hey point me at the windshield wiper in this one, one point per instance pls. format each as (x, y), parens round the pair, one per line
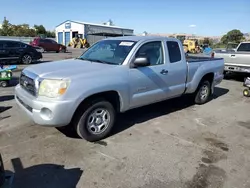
(83, 59)
(96, 60)
(101, 61)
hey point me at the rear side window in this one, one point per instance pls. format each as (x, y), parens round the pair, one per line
(48, 41)
(1, 44)
(244, 47)
(41, 40)
(174, 51)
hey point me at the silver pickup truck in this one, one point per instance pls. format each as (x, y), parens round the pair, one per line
(237, 60)
(114, 75)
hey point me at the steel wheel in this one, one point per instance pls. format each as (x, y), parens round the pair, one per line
(94, 120)
(98, 121)
(204, 92)
(26, 59)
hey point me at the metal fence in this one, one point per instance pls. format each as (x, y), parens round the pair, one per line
(23, 39)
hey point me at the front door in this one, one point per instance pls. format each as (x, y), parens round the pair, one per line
(147, 84)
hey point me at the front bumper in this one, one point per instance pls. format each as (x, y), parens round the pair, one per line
(37, 56)
(49, 113)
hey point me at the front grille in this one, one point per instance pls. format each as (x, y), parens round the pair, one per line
(28, 84)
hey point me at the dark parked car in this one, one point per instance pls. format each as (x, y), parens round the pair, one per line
(48, 45)
(18, 52)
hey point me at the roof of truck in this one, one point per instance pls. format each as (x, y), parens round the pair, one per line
(138, 38)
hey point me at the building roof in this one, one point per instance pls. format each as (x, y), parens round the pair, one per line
(87, 23)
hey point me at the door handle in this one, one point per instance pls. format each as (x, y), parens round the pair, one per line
(232, 55)
(164, 71)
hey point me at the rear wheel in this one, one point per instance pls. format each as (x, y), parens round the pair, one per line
(95, 120)
(26, 59)
(203, 92)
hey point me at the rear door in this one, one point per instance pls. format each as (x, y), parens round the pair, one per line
(147, 84)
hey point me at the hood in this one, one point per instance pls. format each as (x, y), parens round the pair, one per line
(67, 68)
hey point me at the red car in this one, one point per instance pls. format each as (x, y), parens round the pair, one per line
(48, 45)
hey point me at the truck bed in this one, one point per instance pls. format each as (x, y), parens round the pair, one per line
(192, 59)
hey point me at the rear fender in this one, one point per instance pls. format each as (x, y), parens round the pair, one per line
(194, 83)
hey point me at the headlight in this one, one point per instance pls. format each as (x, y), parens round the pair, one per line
(53, 88)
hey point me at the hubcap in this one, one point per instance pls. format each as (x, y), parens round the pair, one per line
(204, 92)
(26, 59)
(98, 121)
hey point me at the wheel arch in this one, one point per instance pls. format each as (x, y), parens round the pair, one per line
(111, 96)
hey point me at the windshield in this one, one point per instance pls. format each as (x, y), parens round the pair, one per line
(109, 51)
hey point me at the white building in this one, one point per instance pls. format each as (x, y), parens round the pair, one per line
(92, 32)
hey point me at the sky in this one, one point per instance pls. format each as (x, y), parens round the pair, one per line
(200, 17)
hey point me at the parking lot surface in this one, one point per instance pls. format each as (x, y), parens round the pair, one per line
(173, 144)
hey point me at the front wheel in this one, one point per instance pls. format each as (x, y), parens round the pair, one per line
(95, 121)
(203, 92)
(3, 83)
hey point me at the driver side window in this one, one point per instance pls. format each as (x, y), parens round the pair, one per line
(153, 51)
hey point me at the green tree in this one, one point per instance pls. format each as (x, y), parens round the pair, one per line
(6, 29)
(40, 29)
(24, 30)
(234, 35)
(50, 34)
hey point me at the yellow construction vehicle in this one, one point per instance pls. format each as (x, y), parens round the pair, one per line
(191, 46)
(79, 42)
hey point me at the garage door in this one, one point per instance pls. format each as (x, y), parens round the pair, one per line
(67, 38)
(60, 37)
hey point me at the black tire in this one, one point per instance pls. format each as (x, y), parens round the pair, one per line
(84, 115)
(3, 83)
(26, 59)
(201, 97)
(246, 92)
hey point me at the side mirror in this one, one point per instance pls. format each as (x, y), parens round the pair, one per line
(141, 62)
